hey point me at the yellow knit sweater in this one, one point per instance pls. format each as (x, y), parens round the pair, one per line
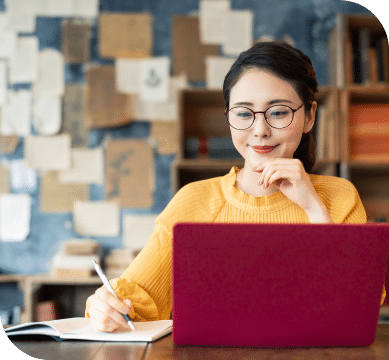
(147, 281)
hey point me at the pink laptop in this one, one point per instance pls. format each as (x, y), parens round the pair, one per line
(278, 285)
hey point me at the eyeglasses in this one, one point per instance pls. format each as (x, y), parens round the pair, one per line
(277, 116)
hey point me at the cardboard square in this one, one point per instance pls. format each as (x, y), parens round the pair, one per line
(130, 173)
(105, 107)
(125, 35)
(188, 52)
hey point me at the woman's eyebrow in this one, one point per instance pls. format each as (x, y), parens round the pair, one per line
(271, 102)
(244, 103)
(279, 101)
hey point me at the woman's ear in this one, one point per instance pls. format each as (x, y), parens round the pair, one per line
(310, 118)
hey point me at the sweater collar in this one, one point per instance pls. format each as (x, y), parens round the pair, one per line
(249, 203)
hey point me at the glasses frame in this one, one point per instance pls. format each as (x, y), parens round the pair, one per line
(263, 112)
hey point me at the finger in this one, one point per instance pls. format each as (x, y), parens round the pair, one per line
(280, 177)
(118, 304)
(293, 169)
(102, 322)
(107, 315)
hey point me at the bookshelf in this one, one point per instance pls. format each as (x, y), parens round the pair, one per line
(359, 68)
(358, 51)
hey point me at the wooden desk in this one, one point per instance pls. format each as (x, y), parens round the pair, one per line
(165, 349)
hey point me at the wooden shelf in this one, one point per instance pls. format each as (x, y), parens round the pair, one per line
(209, 164)
(69, 293)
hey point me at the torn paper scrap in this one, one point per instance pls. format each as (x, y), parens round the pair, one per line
(45, 153)
(137, 230)
(96, 218)
(87, 166)
(15, 215)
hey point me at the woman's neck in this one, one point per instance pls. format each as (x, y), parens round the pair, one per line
(247, 181)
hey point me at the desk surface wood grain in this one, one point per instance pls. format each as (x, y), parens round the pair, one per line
(165, 349)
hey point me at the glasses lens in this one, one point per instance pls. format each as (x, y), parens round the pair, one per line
(279, 116)
(240, 118)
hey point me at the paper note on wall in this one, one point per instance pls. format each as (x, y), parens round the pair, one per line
(137, 230)
(35, 7)
(127, 75)
(239, 33)
(56, 197)
(217, 68)
(86, 8)
(45, 153)
(188, 53)
(16, 114)
(4, 179)
(74, 114)
(154, 79)
(125, 35)
(130, 173)
(3, 83)
(8, 39)
(47, 114)
(76, 38)
(166, 136)
(51, 74)
(23, 64)
(105, 107)
(23, 178)
(96, 218)
(87, 166)
(213, 21)
(8, 144)
(15, 216)
(162, 111)
(60, 8)
(73, 8)
(169, 110)
(20, 20)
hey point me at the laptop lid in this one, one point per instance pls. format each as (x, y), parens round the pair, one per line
(277, 284)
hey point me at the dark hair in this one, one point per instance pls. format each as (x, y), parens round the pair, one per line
(289, 64)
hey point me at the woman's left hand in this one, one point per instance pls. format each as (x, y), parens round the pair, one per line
(289, 176)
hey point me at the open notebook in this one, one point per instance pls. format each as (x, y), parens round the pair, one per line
(79, 328)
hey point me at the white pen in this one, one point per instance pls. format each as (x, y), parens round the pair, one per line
(111, 290)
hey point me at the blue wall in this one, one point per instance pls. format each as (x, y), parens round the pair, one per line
(306, 21)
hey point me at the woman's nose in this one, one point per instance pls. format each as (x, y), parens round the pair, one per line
(260, 127)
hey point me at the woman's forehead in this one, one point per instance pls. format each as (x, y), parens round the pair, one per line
(262, 85)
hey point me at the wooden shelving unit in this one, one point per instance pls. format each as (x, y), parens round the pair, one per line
(362, 140)
(69, 293)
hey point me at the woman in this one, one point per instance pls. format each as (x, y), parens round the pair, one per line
(269, 94)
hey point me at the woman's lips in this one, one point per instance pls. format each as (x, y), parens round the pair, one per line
(263, 149)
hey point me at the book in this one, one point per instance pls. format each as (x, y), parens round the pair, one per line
(212, 147)
(79, 328)
(361, 67)
(381, 45)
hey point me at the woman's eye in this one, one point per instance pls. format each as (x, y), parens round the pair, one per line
(244, 115)
(278, 113)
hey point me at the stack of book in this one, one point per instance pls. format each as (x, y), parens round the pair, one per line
(117, 261)
(370, 57)
(210, 147)
(369, 132)
(75, 258)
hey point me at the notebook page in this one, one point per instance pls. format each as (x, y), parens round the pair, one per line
(53, 327)
(144, 331)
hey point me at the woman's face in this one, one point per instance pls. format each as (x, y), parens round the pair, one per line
(258, 90)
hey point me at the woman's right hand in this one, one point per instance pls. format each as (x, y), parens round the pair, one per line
(106, 311)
